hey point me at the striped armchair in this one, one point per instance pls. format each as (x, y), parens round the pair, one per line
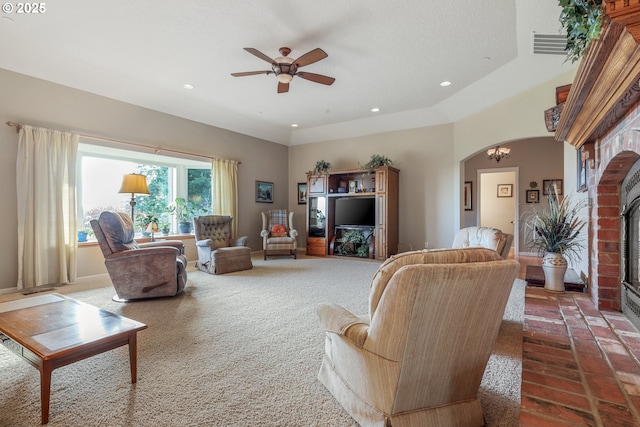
(278, 235)
(418, 356)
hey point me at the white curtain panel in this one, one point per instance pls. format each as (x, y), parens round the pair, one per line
(224, 177)
(46, 186)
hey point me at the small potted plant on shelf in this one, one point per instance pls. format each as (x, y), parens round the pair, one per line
(321, 167)
(376, 161)
(556, 236)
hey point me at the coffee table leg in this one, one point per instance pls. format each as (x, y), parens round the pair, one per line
(45, 390)
(133, 356)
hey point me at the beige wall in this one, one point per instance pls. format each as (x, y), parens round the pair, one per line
(424, 158)
(36, 102)
(536, 158)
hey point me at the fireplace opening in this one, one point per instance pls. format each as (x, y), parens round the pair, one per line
(630, 256)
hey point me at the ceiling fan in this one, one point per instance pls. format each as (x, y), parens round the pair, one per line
(286, 68)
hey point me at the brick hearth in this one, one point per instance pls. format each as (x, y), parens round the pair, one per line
(580, 365)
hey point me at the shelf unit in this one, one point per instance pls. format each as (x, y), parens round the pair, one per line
(381, 184)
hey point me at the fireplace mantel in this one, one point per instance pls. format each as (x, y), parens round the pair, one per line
(606, 85)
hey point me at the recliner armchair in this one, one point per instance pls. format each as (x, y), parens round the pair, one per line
(418, 357)
(139, 270)
(218, 251)
(278, 234)
(484, 237)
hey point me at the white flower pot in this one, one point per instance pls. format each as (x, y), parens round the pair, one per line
(554, 266)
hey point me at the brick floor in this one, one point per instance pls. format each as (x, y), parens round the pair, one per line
(580, 366)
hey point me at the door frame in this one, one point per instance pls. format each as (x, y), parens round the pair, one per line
(516, 204)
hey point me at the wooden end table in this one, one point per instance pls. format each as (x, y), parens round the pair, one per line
(50, 331)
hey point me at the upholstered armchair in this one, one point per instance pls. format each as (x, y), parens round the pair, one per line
(417, 358)
(218, 251)
(484, 237)
(278, 234)
(139, 270)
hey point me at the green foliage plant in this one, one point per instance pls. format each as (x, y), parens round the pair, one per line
(582, 20)
(184, 209)
(558, 228)
(321, 167)
(376, 161)
(354, 242)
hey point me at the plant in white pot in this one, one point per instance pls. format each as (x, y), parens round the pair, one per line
(556, 236)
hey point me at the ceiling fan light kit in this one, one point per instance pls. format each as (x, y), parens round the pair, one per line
(286, 68)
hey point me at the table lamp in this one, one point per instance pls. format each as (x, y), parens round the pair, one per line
(134, 183)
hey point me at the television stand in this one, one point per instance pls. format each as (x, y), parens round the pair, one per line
(353, 240)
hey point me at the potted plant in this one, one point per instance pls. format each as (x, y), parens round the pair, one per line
(321, 167)
(165, 224)
(144, 220)
(184, 210)
(376, 161)
(582, 20)
(556, 236)
(83, 234)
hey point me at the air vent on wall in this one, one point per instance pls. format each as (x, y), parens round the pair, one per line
(549, 44)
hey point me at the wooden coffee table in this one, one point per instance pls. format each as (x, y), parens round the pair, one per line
(50, 331)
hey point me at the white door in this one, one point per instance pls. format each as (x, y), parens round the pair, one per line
(498, 201)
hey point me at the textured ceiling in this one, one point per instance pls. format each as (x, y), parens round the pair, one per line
(390, 55)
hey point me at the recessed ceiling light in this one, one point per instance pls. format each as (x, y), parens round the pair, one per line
(294, 125)
(445, 83)
(375, 110)
(187, 86)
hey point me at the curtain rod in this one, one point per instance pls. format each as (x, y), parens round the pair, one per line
(156, 150)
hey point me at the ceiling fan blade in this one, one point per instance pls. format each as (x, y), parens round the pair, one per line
(310, 57)
(318, 78)
(251, 73)
(283, 87)
(259, 54)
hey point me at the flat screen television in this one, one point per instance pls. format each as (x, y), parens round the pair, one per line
(355, 211)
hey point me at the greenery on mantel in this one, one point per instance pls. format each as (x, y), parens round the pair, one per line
(582, 20)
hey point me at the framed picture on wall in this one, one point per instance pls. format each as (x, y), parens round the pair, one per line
(264, 192)
(552, 186)
(468, 196)
(302, 193)
(533, 196)
(505, 190)
(583, 170)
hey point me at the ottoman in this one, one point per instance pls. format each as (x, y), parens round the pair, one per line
(232, 258)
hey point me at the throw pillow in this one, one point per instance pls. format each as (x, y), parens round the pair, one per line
(278, 230)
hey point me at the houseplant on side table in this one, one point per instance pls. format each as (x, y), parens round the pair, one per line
(556, 236)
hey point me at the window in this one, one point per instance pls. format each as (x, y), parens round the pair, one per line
(100, 171)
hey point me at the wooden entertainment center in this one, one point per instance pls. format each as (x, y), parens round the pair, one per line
(360, 200)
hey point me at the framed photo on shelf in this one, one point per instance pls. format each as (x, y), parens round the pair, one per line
(555, 185)
(264, 192)
(468, 196)
(583, 170)
(302, 193)
(533, 196)
(505, 190)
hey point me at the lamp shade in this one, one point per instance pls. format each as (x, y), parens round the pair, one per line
(134, 183)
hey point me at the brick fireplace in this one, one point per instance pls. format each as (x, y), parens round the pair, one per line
(601, 117)
(615, 154)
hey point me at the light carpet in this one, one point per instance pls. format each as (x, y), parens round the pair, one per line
(241, 349)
